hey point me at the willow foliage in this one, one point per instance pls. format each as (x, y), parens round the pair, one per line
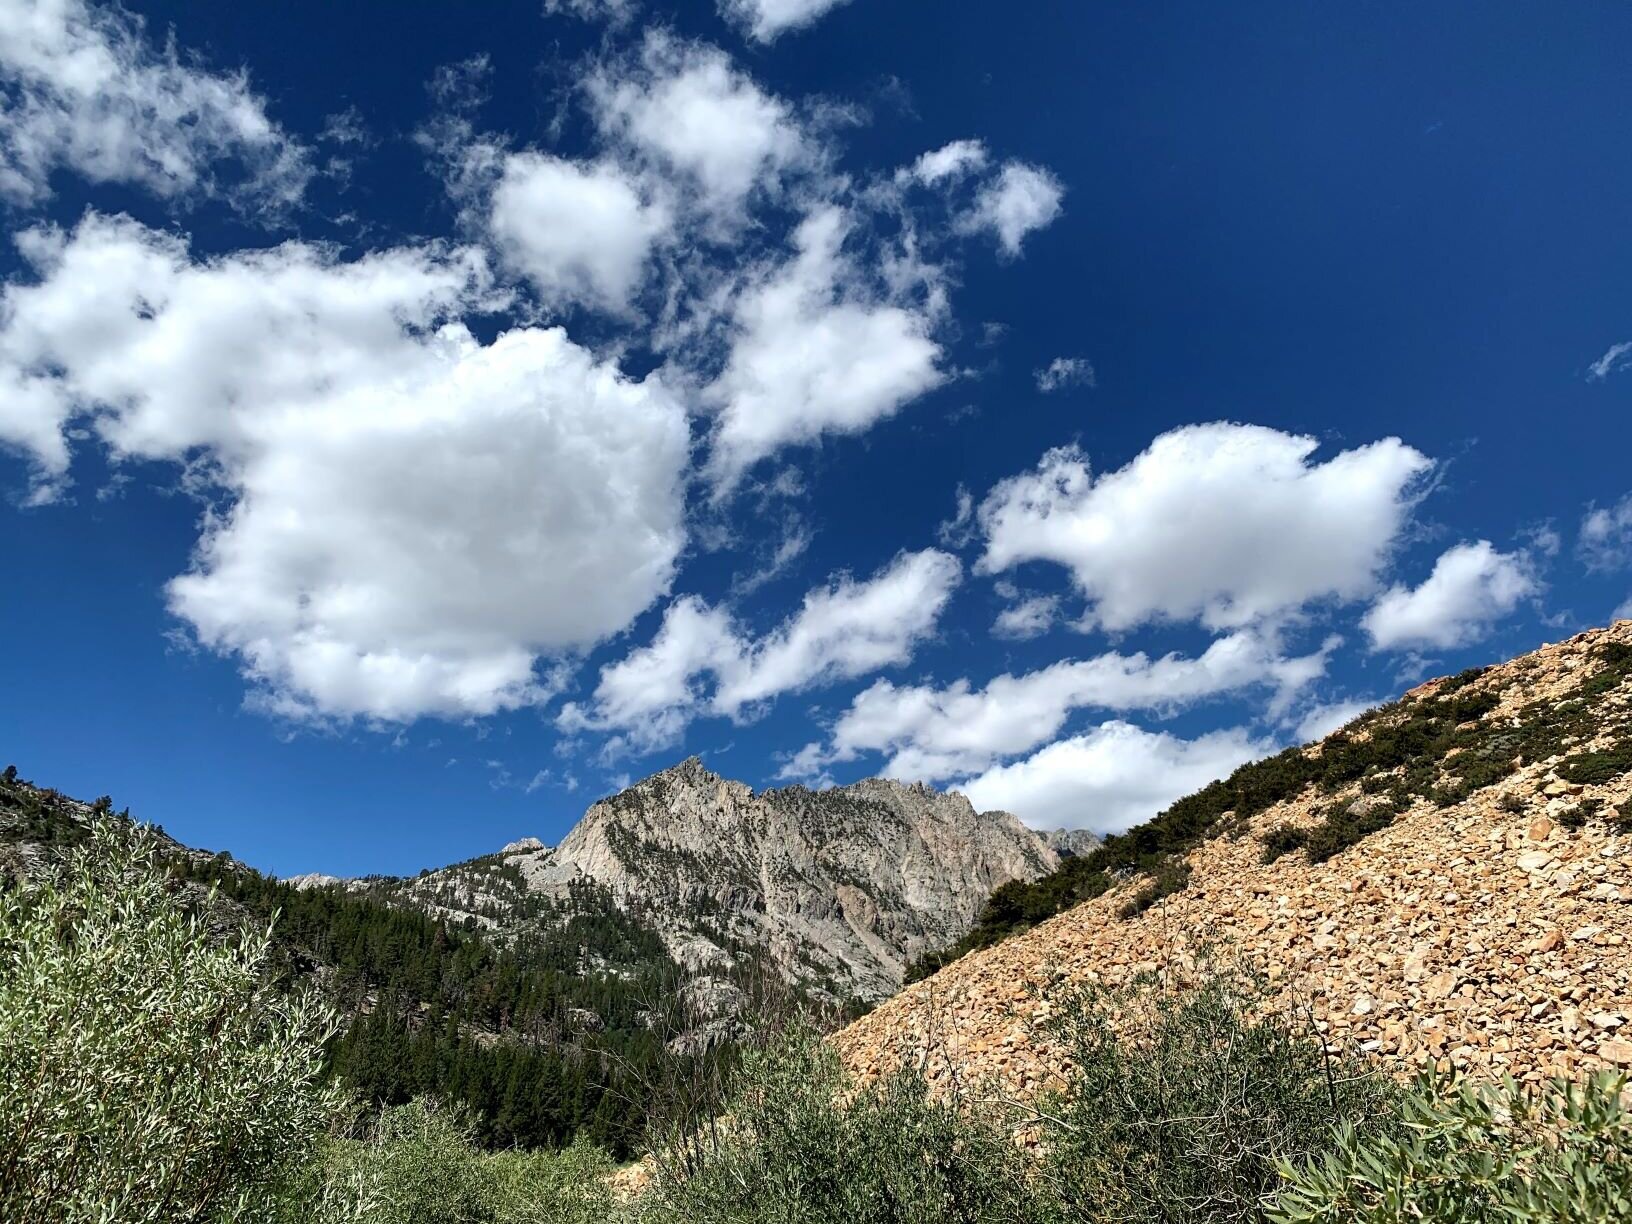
(148, 1070)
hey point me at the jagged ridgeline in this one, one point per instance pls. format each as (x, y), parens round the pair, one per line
(550, 989)
(835, 891)
(1439, 744)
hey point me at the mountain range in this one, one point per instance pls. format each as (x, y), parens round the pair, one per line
(834, 891)
(551, 990)
(1441, 881)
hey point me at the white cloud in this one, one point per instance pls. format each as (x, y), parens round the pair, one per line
(1228, 524)
(1472, 585)
(652, 693)
(1624, 612)
(412, 518)
(614, 12)
(1542, 539)
(1019, 200)
(684, 107)
(548, 777)
(958, 530)
(1029, 618)
(1615, 358)
(579, 232)
(814, 353)
(794, 543)
(1064, 372)
(1322, 720)
(847, 630)
(1110, 779)
(930, 734)
(764, 20)
(81, 88)
(842, 631)
(1605, 541)
(950, 161)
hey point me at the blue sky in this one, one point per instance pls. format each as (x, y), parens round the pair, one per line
(413, 424)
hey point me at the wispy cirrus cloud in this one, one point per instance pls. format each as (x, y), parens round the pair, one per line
(84, 88)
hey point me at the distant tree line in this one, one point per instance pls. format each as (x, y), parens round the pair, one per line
(535, 1049)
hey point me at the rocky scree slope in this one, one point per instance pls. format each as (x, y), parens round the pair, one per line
(836, 891)
(1448, 880)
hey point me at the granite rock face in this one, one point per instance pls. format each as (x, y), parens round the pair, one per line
(832, 891)
(1071, 843)
(837, 889)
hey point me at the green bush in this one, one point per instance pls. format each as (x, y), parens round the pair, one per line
(1188, 1121)
(1470, 1154)
(147, 1070)
(803, 1145)
(420, 1164)
(1282, 840)
(1437, 746)
(1592, 768)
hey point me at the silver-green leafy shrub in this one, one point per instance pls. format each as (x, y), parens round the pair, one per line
(148, 1071)
(1476, 1153)
(418, 1164)
(1179, 1105)
(801, 1144)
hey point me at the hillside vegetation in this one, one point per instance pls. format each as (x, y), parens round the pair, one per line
(1380, 979)
(1435, 745)
(1443, 882)
(151, 1071)
(535, 1046)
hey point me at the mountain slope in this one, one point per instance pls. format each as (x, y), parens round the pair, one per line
(1447, 879)
(835, 890)
(542, 1037)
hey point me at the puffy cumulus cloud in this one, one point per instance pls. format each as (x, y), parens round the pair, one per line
(1111, 778)
(82, 88)
(1228, 524)
(930, 734)
(764, 20)
(847, 630)
(1019, 200)
(581, 232)
(410, 518)
(1064, 372)
(650, 694)
(1472, 586)
(1616, 357)
(949, 162)
(813, 352)
(1321, 720)
(841, 631)
(685, 109)
(1605, 539)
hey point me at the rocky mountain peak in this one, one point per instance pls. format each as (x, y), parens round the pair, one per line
(838, 889)
(689, 772)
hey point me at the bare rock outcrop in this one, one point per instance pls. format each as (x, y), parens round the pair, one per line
(839, 889)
